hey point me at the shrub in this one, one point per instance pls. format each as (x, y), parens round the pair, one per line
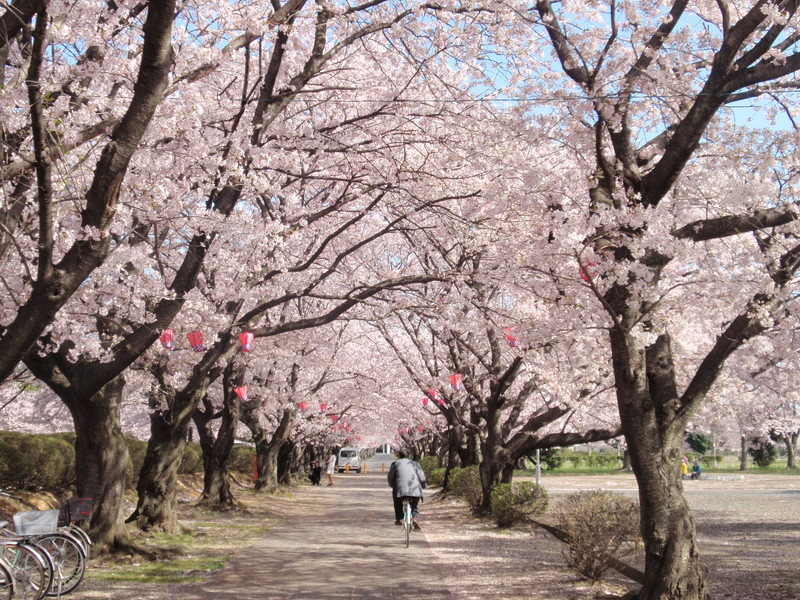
(436, 477)
(600, 526)
(466, 484)
(551, 458)
(514, 503)
(33, 462)
(241, 459)
(428, 464)
(192, 459)
(575, 460)
(711, 461)
(763, 453)
(136, 453)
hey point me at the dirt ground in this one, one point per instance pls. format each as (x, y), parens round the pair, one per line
(339, 543)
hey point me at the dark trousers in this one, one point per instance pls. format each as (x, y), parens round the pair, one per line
(398, 507)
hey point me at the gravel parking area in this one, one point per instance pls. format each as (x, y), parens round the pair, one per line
(747, 528)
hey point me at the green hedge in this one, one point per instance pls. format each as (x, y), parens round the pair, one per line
(436, 477)
(38, 461)
(34, 462)
(428, 464)
(591, 460)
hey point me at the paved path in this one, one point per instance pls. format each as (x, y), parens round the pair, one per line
(343, 544)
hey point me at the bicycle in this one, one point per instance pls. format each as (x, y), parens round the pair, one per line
(31, 569)
(408, 520)
(65, 551)
(6, 580)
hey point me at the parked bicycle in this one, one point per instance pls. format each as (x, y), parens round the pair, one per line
(47, 552)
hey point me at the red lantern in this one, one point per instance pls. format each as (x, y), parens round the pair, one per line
(242, 392)
(196, 340)
(455, 381)
(334, 418)
(425, 401)
(420, 429)
(246, 341)
(302, 405)
(167, 339)
(433, 394)
(584, 271)
(510, 338)
(323, 407)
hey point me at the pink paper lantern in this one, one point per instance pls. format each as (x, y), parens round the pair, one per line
(246, 341)
(512, 340)
(323, 407)
(196, 340)
(334, 418)
(302, 405)
(425, 401)
(433, 394)
(167, 339)
(242, 392)
(455, 381)
(584, 271)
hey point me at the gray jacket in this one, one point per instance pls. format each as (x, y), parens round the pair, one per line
(407, 478)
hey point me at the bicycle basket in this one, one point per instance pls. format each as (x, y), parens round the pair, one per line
(74, 510)
(34, 522)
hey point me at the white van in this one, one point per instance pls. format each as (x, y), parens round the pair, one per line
(348, 457)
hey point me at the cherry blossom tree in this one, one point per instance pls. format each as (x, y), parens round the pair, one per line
(684, 213)
(70, 239)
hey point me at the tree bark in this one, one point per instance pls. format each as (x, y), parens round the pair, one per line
(653, 428)
(791, 450)
(156, 509)
(743, 453)
(101, 465)
(217, 492)
(492, 458)
(267, 449)
(287, 462)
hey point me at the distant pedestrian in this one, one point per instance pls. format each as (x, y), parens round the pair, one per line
(696, 470)
(316, 472)
(684, 468)
(330, 468)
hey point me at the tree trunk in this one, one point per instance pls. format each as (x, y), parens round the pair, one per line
(266, 450)
(743, 453)
(267, 453)
(653, 429)
(157, 485)
(286, 462)
(216, 452)
(492, 458)
(791, 450)
(101, 465)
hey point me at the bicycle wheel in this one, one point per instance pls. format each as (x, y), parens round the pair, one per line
(68, 559)
(31, 547)
(407, 520)
(27, 570)
(83, 537)
(6, 581)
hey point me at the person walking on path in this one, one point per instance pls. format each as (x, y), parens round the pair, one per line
(330, 468)
(316, 473)
(407, 480)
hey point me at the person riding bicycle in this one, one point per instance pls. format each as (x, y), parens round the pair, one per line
(407, 480)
